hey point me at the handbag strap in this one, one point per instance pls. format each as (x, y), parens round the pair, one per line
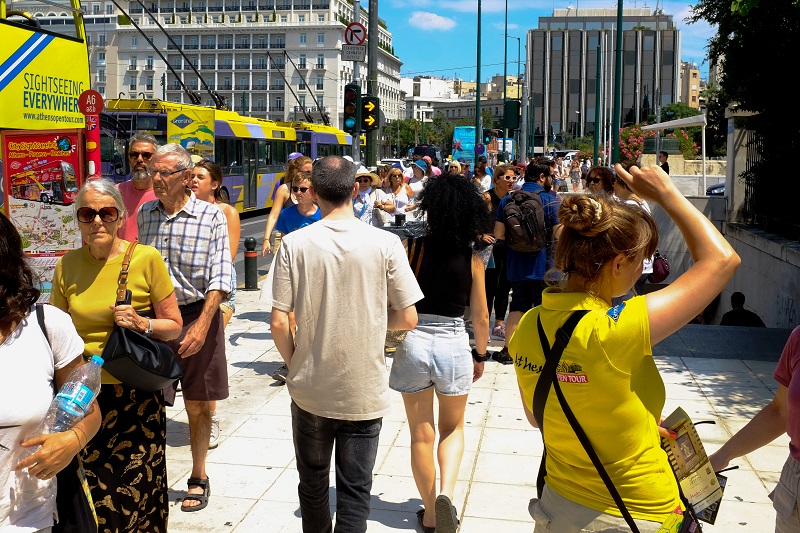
(122, 281)
(542, 390)
(411, 254)
(554, 354)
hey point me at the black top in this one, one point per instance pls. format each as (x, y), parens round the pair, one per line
(742, 317)
(445, 277)
(665, 166)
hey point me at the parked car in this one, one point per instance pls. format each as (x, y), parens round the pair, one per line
(403, 164)
(716, 190)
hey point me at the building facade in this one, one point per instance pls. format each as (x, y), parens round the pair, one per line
(275, 59)
(690, 84)
(571, 61)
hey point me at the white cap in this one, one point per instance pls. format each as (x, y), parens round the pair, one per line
(349, 158)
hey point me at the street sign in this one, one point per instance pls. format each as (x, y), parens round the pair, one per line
(355, 33)
(370, 112)
(90, 102)
(479, 149)
(354, 52)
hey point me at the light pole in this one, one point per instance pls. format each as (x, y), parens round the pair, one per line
(518, 83)
(505, 80)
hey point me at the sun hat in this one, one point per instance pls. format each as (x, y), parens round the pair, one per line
(364, 171)
(422, 165)
(294, 155)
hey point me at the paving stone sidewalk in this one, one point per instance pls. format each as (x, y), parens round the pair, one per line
(254, 479)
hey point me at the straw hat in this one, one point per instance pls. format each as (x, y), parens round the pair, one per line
(364, 171)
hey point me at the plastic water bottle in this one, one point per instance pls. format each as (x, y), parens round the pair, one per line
(73, 399)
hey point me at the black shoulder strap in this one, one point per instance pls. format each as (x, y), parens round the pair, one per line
(40, 318)
(542, 390)
(554, 354)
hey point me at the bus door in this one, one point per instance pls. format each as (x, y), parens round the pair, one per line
(250, 170)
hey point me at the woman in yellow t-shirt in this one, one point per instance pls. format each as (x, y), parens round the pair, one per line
(607, 373)
(126, 462)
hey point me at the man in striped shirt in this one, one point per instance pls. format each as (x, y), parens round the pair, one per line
(192, 237)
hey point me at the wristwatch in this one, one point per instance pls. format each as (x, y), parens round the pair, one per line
(478, 357)
(149, 330)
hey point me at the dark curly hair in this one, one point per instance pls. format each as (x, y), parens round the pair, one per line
(455, 211)
(17, 290)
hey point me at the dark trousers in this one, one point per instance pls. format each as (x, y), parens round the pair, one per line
(496, 282)
(356, 448)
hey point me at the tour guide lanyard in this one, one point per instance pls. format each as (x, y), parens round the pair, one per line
(363, 207)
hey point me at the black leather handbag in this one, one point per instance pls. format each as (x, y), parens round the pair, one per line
(133, 358)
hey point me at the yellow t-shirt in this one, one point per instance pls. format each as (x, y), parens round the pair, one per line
(612, 385)
(85, 287)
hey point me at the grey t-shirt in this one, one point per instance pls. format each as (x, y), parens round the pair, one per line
(338, 277)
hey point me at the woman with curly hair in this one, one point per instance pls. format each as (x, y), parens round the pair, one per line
(435, 356)
(600, 181)
(606, 373)
(30, 365)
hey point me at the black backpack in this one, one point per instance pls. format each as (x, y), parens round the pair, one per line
(525, 226)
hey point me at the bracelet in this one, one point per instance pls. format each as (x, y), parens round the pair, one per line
(85, 436)
(479, 358)
(77, 437)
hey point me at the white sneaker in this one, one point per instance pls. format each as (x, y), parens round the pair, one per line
(214, 441)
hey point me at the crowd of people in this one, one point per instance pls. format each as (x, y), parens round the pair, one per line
(583, 280)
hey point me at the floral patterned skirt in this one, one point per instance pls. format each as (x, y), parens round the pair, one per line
(126, 464)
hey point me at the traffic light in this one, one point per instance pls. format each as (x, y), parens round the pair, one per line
(352, 108)
(487, 137)
(370, 112)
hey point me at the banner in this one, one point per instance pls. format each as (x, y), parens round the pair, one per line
(31, 96)
(41, 177)
(193, 129)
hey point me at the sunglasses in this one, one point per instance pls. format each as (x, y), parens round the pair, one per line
(300, 189)
(145, 155)
(509, 178)
(107, 214)
(593, 180)
(364, 180)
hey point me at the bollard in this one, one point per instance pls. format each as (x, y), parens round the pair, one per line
(250, 265)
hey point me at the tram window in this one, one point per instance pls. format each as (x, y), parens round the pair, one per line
(148, 123)
(228, 155)
(278, 152)
(264, 153)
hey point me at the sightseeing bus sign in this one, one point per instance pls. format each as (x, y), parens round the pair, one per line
(41, 176)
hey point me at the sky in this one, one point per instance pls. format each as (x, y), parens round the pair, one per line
(439, 37)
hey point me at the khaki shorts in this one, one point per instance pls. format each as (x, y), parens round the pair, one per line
(205, 374)
(784, 498)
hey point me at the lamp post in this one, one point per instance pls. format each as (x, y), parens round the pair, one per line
(505, 80)
(518, 71)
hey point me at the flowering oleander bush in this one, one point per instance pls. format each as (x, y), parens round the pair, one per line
(689, 148)
(631, 143)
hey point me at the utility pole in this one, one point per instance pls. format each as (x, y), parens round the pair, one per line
(505, 81)
(478, 132)
(356, 79)
(617, 89)
(372, 75)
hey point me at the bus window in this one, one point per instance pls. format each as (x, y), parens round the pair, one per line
(278, 152)
(264, 153)
(228, 155)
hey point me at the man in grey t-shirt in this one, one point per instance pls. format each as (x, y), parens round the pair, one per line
(345, 281)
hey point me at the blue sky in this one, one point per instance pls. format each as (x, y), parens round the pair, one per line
(438, 37)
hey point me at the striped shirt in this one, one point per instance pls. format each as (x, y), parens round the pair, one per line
(194, 245)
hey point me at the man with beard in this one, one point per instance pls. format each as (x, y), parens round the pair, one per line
(139, 189)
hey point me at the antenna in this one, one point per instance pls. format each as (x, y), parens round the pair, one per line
(325, 119)
(219, 101)
(193, 96)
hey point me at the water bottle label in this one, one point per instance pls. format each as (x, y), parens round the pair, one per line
(77, 399)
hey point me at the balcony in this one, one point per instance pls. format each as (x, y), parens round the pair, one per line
(132, 67)
(264, 7)
(225, 46)
(260, 66)
(208, 66)
(243, 46)
(224, 86)
(260, 45)
(208, 46)
(242, 86)
(302, 6)
(259, 87)
(173, 87)
(149, 67)
(182, 9)
(191, 46)
(243, 66)
(302, 66)
(321, 6)
(276, 108)
(279, 66)
(225, 66)
(277, 45)
(261, 108)
(252, 7)
(320, 66)
(215, 8)
(276, 87)
(284, 7)
(135, 10)
(171, 46)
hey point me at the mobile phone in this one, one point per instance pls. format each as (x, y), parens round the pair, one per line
(127, 300)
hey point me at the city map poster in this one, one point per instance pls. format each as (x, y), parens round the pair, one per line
(42, 172)
(193, 129)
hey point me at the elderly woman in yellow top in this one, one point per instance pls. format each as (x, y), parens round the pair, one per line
(606, 372)
(125, 463)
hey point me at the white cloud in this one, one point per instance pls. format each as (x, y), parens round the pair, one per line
(423, 20)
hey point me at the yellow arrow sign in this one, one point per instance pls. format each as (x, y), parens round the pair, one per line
(370, 120)
(370, 106)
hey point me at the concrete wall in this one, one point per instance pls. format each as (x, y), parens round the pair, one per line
(688, 175)
(769, 275)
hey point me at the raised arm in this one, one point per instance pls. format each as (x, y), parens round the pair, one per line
(715, 261)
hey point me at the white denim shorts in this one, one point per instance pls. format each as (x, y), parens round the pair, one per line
(436, 354)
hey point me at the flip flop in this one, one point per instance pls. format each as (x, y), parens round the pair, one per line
(423, 527)
(446, 518)
(204, 484)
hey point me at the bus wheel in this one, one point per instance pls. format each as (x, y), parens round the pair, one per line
(224, 196)
(45, 199)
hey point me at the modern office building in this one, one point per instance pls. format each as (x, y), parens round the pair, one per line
(277, 59)
(571, 60)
